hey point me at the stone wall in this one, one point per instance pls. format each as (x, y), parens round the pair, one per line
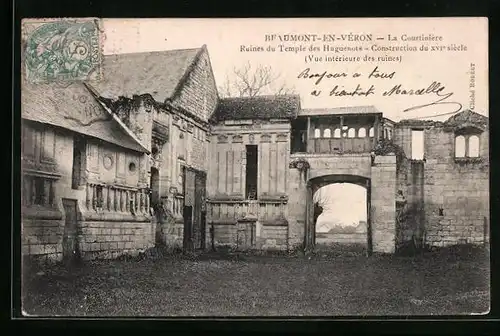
(224, 234)
(330, 239)
(328, 164)
(455, 193)
(42, 238)
(199, 95)
(239, 236)
(109, 240)
(274, 237)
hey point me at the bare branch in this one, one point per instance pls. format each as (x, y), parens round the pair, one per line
(250, 82)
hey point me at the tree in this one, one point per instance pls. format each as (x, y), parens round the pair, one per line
(249, 81)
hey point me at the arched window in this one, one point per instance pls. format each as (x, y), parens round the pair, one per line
(386, 133)
(336, 133)
(362, 132)
(317, 133)
(371, 132)
(473, 146)
(351, 133)
(327, 133)
(460, 146)
(389, 134)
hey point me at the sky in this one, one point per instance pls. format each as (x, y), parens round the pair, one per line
(416, 70)
(335, 198)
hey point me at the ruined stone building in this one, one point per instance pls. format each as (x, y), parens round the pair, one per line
(152, 155)
(100, 160)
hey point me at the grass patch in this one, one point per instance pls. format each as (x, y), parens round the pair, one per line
(448, 281)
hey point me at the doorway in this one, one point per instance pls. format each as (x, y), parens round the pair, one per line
(71, 249)
(155, 188)
(194, 211)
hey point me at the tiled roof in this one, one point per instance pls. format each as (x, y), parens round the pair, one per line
(157, 73)
(340, 110)
(259, 107)
(74, 108)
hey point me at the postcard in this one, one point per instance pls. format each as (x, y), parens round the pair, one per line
(255, 167)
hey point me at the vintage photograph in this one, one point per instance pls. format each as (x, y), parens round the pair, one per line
(255, 167)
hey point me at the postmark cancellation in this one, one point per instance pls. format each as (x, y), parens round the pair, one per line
(64, 49)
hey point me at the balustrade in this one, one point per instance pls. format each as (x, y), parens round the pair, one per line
(114, 198)
(334, 145)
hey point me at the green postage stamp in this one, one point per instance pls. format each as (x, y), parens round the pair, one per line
(64, 49)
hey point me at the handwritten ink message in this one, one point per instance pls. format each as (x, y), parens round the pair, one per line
(435, 90)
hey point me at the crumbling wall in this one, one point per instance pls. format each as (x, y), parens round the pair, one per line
(446, 196)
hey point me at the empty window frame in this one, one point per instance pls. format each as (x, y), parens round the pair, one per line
(362, 132)
(473, 148)
(79, 154)
(467, 146)
(417, 144)
(460, 146)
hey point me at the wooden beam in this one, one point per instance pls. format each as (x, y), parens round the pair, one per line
(342, 139)
(308, 135)
(376, 131)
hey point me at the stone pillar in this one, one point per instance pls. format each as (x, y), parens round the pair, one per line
(297, 191)
(309, 227)
(383, 204)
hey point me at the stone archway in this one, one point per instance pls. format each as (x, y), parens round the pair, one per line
(313, 185)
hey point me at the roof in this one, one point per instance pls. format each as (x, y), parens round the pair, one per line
(467, 117)
(340, 110)
(158, 73)
(390, 121)
(74, 108)
(258, 107)
(458, 120)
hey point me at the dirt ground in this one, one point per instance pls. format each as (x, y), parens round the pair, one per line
(446, 282)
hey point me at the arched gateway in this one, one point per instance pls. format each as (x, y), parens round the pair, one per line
(355, 233)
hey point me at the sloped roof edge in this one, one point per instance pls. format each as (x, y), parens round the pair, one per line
(115, 117)
(189, 69)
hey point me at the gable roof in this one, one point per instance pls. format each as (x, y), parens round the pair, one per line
(258, 107)
(69, 107)
(158, 73)
(467, 117)
(340, 110)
